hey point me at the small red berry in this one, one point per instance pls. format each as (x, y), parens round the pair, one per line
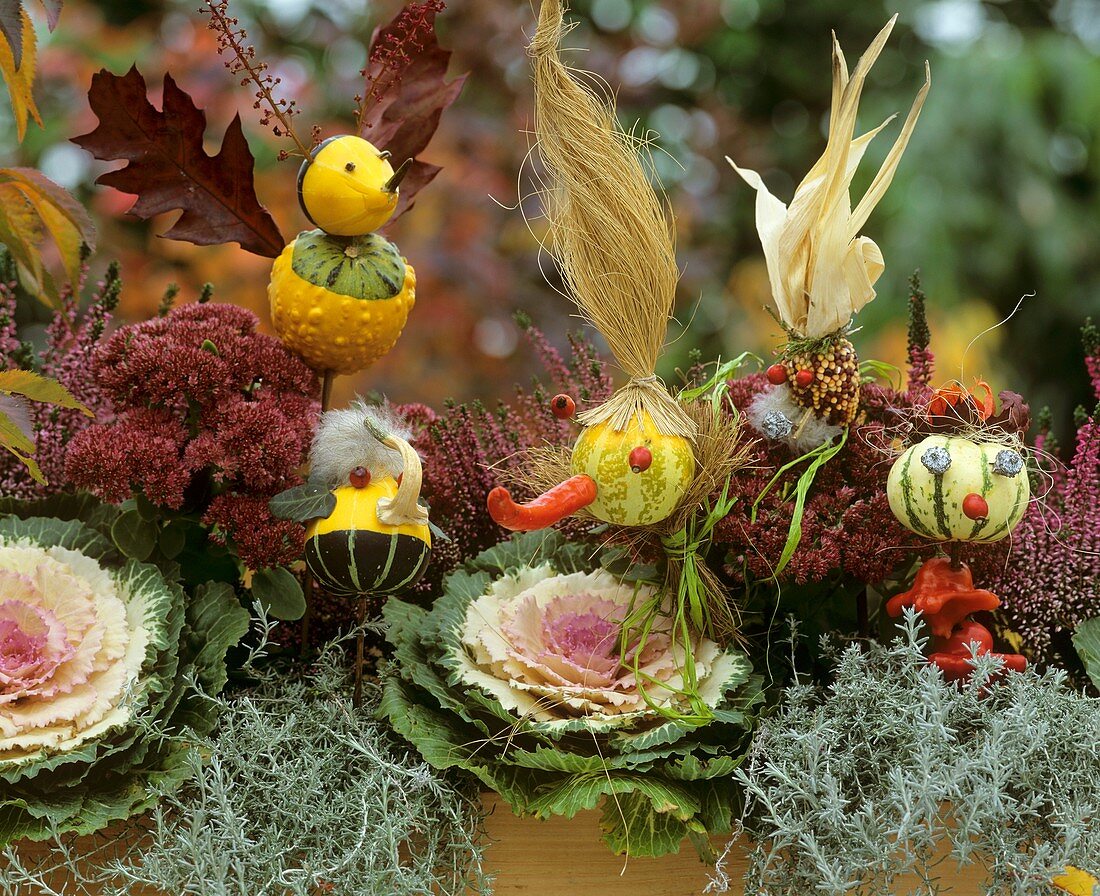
(975, 507)
(777, 374)
(562, 406)
(359, 477)
(640, 459)
(803, 378)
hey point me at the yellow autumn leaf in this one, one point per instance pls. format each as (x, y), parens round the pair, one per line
(32, 206)
(20, 80)
(16, 434)
(1076, 882)
(21, 231)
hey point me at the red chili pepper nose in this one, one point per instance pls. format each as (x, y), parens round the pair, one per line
(562, 406)
(640, 459)
(777, 374)
(804, 377)
(976, 507)
(359, 477)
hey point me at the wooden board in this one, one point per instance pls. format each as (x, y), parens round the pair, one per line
(566, 857)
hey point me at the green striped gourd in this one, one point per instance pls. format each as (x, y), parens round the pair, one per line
(352, 552)
(625, 497)
(929, 482)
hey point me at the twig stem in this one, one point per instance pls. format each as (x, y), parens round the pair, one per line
(326, 401)
(360, 639)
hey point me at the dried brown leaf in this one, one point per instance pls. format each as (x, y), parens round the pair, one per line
(169, 168)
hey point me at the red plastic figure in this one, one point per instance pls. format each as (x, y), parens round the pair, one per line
(944, 594)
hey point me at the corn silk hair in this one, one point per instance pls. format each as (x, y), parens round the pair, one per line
(849, 787)
(608, 230)
(296, 793)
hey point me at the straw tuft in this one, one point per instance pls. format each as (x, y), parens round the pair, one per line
(609, 231)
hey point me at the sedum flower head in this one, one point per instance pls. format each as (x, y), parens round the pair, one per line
(821, 270)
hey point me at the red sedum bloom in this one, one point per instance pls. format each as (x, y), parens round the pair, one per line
(211, 418)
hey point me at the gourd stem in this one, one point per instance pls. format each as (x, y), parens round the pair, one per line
(326, 389)
(357, 696)
(863, 616)
(404, 508)
(955, 550)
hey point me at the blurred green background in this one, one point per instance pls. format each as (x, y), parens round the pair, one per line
(995, 199)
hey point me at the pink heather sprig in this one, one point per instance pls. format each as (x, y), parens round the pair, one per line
(10, 344)
(212, 418)
(1048, 573)
(72, 338)
(392, 52)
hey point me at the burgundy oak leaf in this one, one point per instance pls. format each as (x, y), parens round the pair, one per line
(407, 92)
(168, 168)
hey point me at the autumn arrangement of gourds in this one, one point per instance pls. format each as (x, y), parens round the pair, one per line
(341, 294)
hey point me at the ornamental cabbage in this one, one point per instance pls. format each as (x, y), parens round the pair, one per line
(98, 663)
(520, 674)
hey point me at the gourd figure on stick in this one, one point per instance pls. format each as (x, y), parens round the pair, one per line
(340, 295)
(368, 534)
(965, 482)
(821, 270)
(612, 238)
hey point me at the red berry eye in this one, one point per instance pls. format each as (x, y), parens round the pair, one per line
(562, 406)
(359, 477)
(975, 507)
(777, 374)
(640, 459)
(804, 377)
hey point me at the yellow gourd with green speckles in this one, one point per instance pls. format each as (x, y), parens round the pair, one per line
(624, 497)
(340, 303)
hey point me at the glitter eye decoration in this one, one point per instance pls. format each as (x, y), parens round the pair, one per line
(775, 425)
(936, 460)
(1008, 462)
(640, 459)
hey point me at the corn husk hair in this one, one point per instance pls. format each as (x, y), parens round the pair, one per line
(609, 231)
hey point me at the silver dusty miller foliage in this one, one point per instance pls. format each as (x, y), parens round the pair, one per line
(852, 786)
(295, 794)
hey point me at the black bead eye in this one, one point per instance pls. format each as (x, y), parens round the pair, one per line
(349, 167)
(936, 460)
(1008, 462)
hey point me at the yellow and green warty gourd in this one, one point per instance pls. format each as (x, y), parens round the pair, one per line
(345, 186)
(340, 303)
(934, 487)
(626, 495)
(352, 552)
